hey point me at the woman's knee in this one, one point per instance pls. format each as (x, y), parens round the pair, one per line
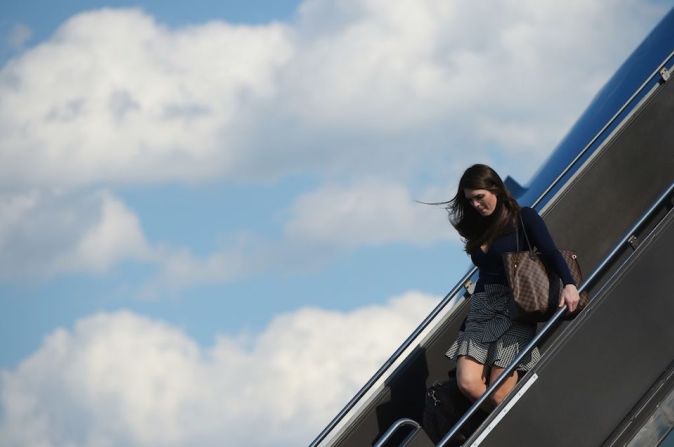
(471, 385)
(470, 377)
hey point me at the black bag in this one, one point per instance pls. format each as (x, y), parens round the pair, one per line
(444, 406)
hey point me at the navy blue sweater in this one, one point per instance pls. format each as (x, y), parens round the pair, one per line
(490, 264)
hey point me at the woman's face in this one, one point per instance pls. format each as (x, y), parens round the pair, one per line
(483, 200)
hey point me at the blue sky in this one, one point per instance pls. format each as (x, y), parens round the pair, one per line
(225, 192)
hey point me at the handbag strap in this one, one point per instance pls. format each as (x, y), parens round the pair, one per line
(524, 230)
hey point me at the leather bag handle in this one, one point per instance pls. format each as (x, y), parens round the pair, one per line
(517, 236)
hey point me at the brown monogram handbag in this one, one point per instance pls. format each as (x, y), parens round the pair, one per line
(537, 290)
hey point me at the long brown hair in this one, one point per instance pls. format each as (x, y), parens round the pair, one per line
(475, 229)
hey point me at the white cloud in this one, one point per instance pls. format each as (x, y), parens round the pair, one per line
(119, 379)
(179, 268)
(46, 233)
(370, 86)
(367, 213)
(114, 96)
(321, 225)
(43, 234)
(115, 237)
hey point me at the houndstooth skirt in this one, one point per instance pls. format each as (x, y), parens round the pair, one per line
(490, 336)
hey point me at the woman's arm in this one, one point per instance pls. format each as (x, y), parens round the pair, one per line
(539, 236)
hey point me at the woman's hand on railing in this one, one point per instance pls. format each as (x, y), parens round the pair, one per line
(569, 297)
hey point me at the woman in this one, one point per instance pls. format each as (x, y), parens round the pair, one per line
(487, 217)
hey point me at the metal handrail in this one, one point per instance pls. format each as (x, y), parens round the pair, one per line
(380, 372)
(649, 79)
(393, 428)
(553, 320)
(448, 297)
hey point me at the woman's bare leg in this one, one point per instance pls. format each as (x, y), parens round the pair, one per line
(505, 388)
(471, 377)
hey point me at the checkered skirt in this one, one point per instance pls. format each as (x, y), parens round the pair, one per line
(490, 336)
